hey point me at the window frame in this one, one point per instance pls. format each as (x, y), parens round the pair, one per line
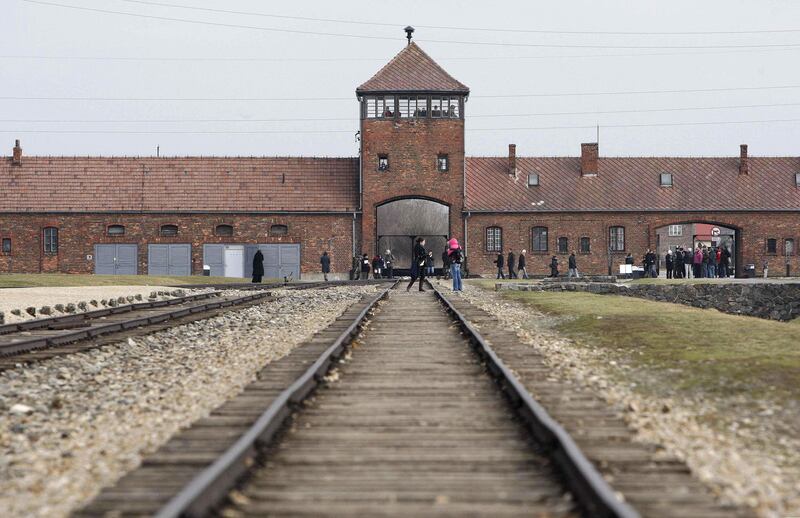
(661, 177)
(495, 241)
(771, 241)
(223, 234)
(534, 248)
(678, 234)
(50, 244)
(5, 250)
(283, 227)
(533, 176)
(786, 241)
(615, 240)
(446, 158)
(565, 240)
(168, 234)
(381, 157)
(109, 233)
(588, 242)
(797, 179)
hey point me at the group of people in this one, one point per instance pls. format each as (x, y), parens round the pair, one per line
(702, 262)
(422, 263)
(381, 266)
(521, 271)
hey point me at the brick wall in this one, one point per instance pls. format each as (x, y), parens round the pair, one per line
(412, 146)
(640, 234)
(80, 232)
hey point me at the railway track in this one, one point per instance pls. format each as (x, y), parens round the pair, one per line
(419, 416)
(39, 339)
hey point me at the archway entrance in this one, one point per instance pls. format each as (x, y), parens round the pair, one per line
(710, 237)
(400, 222)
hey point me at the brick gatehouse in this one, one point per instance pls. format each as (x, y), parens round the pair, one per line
(175, 215)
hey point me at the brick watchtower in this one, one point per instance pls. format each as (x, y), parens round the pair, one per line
(412, 155)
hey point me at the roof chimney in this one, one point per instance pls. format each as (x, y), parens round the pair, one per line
(589, 155)
(16, 158)
(512, 159)
(744, 163)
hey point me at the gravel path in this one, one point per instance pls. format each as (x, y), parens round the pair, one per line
(740, 456)
(75, 423)
(22, 298)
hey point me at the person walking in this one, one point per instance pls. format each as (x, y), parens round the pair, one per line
(325, 262)
(499, 263)
(455, 256)
(521, 265)
(669, 263)
(388, 260)
(765, 265)
(377, 267)
(554, 267)
(647, 262)
(446, 262)
(258, 266)
(365, 267)
(572, 264)
(512, 262)
(418, 260)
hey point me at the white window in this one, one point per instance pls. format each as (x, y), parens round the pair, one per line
(797, 179)
(533, 180)
(675, 230)
(666, 179)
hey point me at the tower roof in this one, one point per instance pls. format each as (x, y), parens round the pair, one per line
(412, 70)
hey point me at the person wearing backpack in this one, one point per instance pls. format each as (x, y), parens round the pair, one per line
(455, 258)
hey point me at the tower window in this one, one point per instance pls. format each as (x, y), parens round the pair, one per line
(115, 230)
(380, 107)
(436, 107)
(169, 230)
(383, 163)
(413, 106)
(442, 163)
(224, 230)
(450, 107)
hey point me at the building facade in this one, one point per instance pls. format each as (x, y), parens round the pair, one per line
(412, 178)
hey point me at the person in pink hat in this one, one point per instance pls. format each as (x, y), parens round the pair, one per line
(456, 256)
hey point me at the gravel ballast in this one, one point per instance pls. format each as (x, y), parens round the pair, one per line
(73, 424)
(738, 455)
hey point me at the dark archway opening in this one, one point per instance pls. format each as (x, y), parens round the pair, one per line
(399, 222)
(707, 236)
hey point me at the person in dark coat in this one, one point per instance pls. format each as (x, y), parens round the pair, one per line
(629, 259)
(512, 262)
(668, 261)
(377, 267)
(499, 262)
(572, 264)
(325, 262)
(418, 263)
(388, 260)
(258, 266)
(521, 265)
(554, 267)
(365, 266)
(446, 264)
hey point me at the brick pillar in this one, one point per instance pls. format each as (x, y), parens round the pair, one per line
(589, 158)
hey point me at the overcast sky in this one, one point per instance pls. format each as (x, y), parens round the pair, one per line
(229, 64)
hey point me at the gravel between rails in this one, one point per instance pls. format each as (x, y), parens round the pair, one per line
(752, 466)
(91, 416)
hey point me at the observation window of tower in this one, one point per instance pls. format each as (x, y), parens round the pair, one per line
(450, 107)
(383, 163)
(413, 107)
(436, 107)
(442, 163)
(380, 107)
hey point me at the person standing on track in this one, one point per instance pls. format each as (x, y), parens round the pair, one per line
(418, 263)
(454, 259)
(325, 263)
(258, 266)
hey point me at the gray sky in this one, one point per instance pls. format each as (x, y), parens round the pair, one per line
(282, 66)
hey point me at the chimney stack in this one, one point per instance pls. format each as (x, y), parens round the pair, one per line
(512, 159)
(744, 163)
(589, 155)
(16, 158)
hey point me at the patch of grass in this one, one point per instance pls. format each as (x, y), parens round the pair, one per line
(61, 280)
(683, 348)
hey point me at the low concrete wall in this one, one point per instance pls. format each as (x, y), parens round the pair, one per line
(763, 300)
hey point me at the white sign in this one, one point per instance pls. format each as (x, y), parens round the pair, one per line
(715, 231)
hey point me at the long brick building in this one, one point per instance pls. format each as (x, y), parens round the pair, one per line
(175, 215)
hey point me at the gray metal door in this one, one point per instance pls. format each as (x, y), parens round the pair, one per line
(116, 259)
(289, 261)
(214, 256)
(172, 259)
(272, 265)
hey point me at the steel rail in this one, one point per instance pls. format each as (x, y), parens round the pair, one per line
(589, 487)
(211, 485)
(92, 331)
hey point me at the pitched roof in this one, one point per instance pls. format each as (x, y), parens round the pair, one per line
(699, 184)
(412, 70)
(98, 184)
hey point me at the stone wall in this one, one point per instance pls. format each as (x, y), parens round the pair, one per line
(763, 300)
